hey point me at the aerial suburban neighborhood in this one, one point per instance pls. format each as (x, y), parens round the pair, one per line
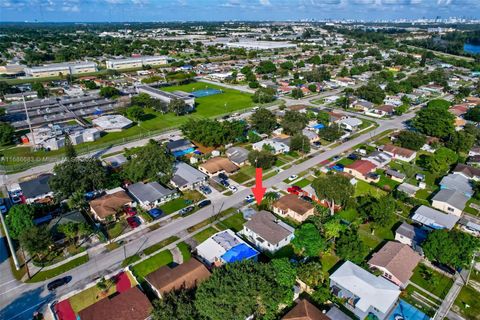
(263, 166)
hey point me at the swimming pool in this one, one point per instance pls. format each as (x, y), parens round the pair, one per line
(405, 311)
(181, 153)
(205, 92)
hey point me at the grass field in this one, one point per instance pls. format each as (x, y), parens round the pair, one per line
(185, 249)
(48, 274)
(88, 297)
(363, 188)
(431, 280)
(244, 174)
(467, 303)
(151, 264)
(234, 222)
(205, 234)
(173, 205)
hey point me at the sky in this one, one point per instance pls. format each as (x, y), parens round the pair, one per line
(220, 10)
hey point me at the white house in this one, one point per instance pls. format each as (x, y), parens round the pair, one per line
(277, 146)
(151, 194)
(450, 201)
(267, 232)
(350, 124)
(364, 293)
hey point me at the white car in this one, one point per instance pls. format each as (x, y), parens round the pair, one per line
(249, 198)
(293, 177)
(232, 188)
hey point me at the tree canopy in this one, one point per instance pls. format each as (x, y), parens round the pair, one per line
(371, 92)
(453, 248)
(380, 211)
(308, 241)
(411, 139)
(263, 121)
(294, 122)
(213, 133)
(349, 247)
(440, 161)
(7, 133)
(435, 119)
(334, 188)
(20, 219)
(152, 161)
(331, 133)
(299, 142)
(109, 92)
(262, 159)
(264, 95)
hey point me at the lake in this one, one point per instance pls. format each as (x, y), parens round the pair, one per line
(471, 48)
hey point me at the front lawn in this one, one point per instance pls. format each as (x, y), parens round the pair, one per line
(205, 234)
(151, 264)
(117, 228)
(363, 188)
(329, 260)
(431, 280)
(51, 273)
(467, 303)
(244, 174)
(235, 222)
(185, 250)
(174, 205)
(303, 183)
(87, 297)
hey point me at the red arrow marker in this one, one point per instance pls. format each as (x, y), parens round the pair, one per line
(258, 190)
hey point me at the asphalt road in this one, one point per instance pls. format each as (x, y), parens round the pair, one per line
(18, 300)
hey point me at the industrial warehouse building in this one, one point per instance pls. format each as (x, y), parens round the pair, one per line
(137, 62)
(57, 69)
(167, 97)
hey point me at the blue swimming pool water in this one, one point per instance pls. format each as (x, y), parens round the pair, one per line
(180, 153)
(205, 92)
(406, 311)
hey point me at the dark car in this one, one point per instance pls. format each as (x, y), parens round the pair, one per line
(186, 210)
(205, 189)
(204, 203)
(224, 183)
(223, 176)
(58, 283)
(306, 198)
(352, 156)
(155, 213)
(132, 222)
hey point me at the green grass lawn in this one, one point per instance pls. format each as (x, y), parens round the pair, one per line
(234, 222)
(173, 205)
(345, 161)
(151, 264)
(160, 245)
(328, 261)
(363, 188)
(434, 282)
(428, 308)
(205, 234)
(88, 297)
(185, 249)
(117, 229)
(384, 181)
(244, 174)
(468, 303)
(130, 260)
(303, 183)
(48, 274)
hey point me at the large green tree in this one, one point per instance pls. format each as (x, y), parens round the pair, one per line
(311, 273)
(435, 119)
(109, 92)
(453, 248)
(440, 161)
(7, 133)
(331, 133)
(177, 305)
(308, 241)
(263, 121)
(213, 133)
(152, 162)
(77, 175)
(36, 240)
(371, 92)
(264, 95)
(20, 219)
(411, 139)
(294, 122)
(349, 246)
(241, 289)
(262, 159)
(299, 142)
(460, 141)
(380, 211)
(335, 189)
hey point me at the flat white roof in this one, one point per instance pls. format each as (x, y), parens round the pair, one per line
(265, 45)
(113, 121)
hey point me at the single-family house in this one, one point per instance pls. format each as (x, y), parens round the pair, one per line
(379, 158)
(238, 155)
(395, 175)
(361, 105)
(217, 165)
(225, 247)
(304, 310)
(468, 172)
(180, 147)
(183, 276)
(115, 161)
(434, 219)
(267, 232)
(186, 177)
(473, 161)
(293, 207)
(363, 170)
(364, 293)
(311, 135)
(37, 189)
(132, 304)
(410, 235)
(450, 201)
(386, 109)
(409, 189)
(396, 261)
(399, 153)
(350, 124)
(151, 194)
(334, 117)
(458, 183)
(109, 205)
(277, 147)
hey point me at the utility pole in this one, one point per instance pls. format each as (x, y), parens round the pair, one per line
(7, 234)
(29, 123)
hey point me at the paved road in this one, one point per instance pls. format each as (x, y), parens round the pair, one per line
(19, 300)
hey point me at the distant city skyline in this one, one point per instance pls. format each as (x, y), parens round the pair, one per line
(219, 10)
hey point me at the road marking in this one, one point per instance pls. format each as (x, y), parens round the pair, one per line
(13, 288)
(1, 285)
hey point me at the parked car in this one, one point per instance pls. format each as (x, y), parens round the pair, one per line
(204, 203)
(155, 213)
(3, 206)
(352, 156)
(130, 211)
(249, 198)
(316, 144)
(58, 283)
(293, 177)
(133, 222)
(223, 176)
(186, 210)
(232, 188)
(205, 190)
(306, 198)
(224, 183)
(294, 189)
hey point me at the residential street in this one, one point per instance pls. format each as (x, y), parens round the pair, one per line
(17, 296)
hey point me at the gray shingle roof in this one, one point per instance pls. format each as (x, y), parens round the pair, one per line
(452, 197)
(457, 183)
(434, 218)
(183, 175)
(149, 192)
(237, 154)
(36, 187)
(268, 227)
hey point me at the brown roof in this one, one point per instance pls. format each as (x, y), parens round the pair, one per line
(267, 226)
(109, 204)
(398, 258)
(185, 275)
(294, 203)
(129, 305)
(304, 310)
(404, 152)
(459, 109)
(467, 170)
(362, 166)
(218, 164)
(386, 108)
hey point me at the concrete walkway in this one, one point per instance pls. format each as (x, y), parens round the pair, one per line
(177, 255)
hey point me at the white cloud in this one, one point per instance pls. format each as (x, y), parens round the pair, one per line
(73, 8)
(265, 2)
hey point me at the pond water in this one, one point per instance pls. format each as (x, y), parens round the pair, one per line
(471, 48)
